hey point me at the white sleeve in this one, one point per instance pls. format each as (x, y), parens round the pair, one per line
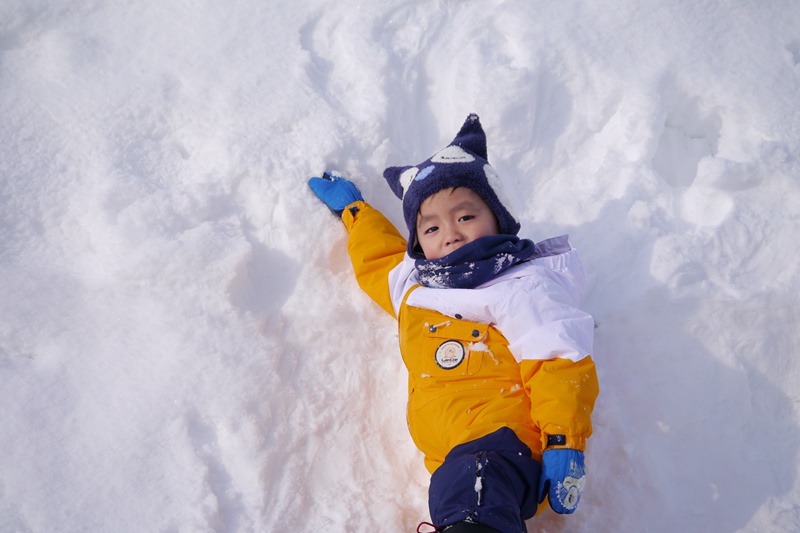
(401, 278)
(540, 316)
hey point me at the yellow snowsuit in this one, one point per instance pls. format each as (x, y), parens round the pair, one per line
(464, 381)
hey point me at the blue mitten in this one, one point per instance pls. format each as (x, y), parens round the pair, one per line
(562, 480)
(336, 191)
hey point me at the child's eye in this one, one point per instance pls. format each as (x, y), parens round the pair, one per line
(431, 229)
(466, 218)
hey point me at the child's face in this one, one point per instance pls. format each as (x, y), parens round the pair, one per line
(450, 218)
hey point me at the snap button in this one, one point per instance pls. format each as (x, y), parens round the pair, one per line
(458, 316)
(475, 333)
(432, 329)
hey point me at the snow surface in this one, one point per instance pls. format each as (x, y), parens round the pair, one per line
(183, 346)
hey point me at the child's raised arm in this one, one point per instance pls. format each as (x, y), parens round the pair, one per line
(374, 244)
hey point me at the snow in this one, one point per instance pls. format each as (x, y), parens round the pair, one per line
(183, 346)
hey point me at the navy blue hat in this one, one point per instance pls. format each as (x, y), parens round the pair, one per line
(463, 163)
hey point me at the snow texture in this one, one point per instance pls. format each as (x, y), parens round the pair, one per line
(183, 346)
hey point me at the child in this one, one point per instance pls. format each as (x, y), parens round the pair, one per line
(501, 383)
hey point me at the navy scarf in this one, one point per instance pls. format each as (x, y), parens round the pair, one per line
(475, 263)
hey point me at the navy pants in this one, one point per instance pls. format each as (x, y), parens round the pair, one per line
(491, 480)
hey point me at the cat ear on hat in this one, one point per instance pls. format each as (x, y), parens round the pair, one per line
(471, 136)
(399, 178)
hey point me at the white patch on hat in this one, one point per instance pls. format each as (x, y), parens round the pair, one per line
(407, 177)
(452, 154)
(497, 186)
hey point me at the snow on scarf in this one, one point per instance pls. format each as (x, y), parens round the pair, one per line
(475, 263)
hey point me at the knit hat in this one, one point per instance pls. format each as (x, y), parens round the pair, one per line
(463, 163)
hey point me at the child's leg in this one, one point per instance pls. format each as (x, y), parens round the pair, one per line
(491, 481)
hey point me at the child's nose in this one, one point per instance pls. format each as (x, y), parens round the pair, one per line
(454, 236)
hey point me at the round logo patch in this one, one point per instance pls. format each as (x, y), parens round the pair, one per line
(449, 354)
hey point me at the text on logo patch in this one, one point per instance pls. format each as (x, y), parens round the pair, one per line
(449, 354)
